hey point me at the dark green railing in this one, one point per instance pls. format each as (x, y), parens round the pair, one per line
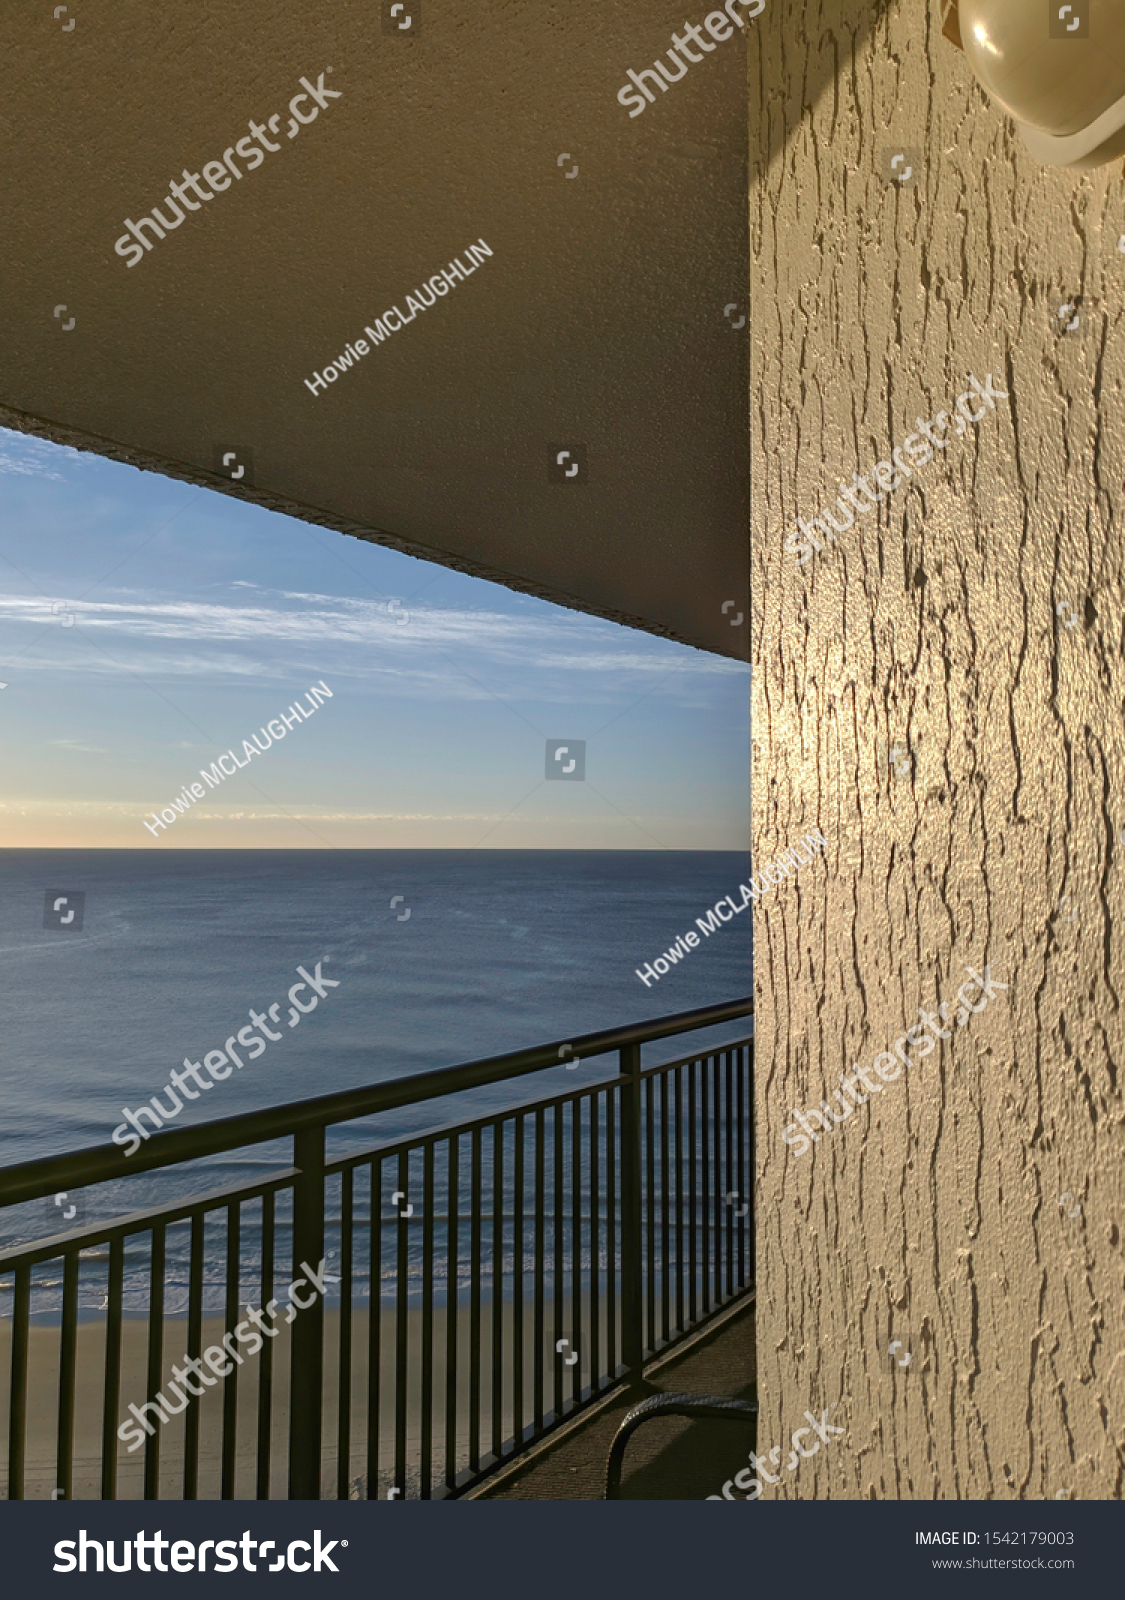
(490, 1278)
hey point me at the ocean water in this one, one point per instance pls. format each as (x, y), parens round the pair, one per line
(501, 950)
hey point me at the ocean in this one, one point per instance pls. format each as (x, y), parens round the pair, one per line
(441, 956)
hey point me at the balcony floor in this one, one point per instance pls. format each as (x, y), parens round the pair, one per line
(669, 1459)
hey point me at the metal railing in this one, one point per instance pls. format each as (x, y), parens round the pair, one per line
(485, 1281)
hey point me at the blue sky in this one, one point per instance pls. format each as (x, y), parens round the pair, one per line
(198, 618)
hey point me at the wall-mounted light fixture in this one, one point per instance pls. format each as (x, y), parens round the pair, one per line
(1057, 68)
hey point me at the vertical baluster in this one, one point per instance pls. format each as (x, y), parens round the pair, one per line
(426, 1441)
(613, 1357)
(558, 1258)
(678, 1087)
(577, 1331)
(497, 1288)
(476, 1195)
(595, 1250)
(693, 1219)
(705, 1184)
(751, 1196)
(68, 1351)
(402, 1314)
(374, 1327)
(17, 1412)
(452, 1306)
(540, 1233)
(632, 1266)
(734, 1109)
(519, 1134)
(231, 1317)
(743, 1186)
(112, 1396)
(194, 1347)
(265, 1364)
(717, 1227)
(307, 1344)
(731, 1187)
(651, 1335)
(664, 1170)
(344, 1409)
(155, 1357)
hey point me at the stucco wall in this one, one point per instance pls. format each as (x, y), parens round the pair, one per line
(976, 622)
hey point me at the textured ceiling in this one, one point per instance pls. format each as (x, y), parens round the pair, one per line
(598, 320)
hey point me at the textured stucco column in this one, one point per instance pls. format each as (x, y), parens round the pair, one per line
(942, 691)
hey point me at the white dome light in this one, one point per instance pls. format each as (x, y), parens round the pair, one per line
(1058, 69)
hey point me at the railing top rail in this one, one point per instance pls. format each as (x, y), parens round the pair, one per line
(93, 1234)
(698, 1055)
(454, 1130)
(417, 1140)
(29, 1180)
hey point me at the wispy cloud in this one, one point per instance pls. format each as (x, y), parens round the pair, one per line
(76, 744)
(361, 636)
(556, 640)
(28, 456)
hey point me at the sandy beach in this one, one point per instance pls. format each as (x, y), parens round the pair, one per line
(43, 1388)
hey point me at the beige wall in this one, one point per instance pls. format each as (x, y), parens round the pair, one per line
(932, 1215)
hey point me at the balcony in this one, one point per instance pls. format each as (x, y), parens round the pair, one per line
(485, 1282)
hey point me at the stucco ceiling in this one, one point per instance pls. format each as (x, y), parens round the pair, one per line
(597, 321)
